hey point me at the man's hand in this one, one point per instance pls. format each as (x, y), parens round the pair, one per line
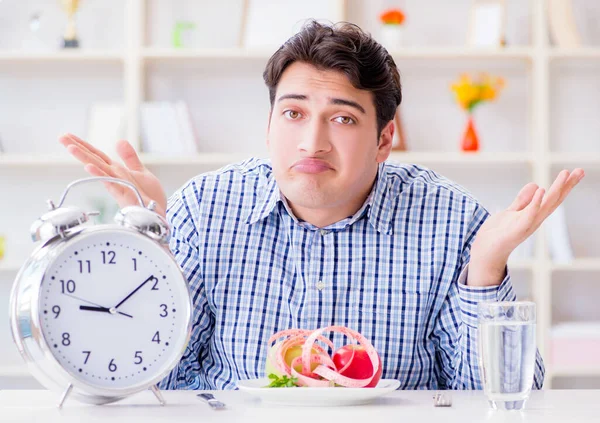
(99, 164)
(502, 232)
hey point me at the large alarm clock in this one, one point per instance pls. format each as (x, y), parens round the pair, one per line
(100, 312)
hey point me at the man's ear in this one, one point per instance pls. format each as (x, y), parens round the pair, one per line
(386, 138)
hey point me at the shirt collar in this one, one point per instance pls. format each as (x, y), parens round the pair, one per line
(378, 206)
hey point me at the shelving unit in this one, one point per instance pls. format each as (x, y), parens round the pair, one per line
(145, 76)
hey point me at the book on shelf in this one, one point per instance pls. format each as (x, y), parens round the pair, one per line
(557, 236)
(167, 129)
(106, 126)
(562, 25)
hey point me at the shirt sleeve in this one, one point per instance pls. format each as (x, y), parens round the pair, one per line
(184, 246)
(455, 333)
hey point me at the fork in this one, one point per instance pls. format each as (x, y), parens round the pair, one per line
(441, 399)
(212, 401)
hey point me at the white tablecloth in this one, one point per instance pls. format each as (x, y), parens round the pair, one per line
(398, 407)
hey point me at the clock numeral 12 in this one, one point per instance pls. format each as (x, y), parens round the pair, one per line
(106, 254)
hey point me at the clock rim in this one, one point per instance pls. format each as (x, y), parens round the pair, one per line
(25, 314)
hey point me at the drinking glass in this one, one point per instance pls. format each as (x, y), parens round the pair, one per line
(507, 351)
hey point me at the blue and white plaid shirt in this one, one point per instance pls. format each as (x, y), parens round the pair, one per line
(394, 271)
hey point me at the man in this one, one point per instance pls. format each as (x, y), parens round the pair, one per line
(327, 233)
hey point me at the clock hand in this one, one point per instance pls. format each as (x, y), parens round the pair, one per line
(136, 290)
(102, 309)
(89, 308)
(89, 302)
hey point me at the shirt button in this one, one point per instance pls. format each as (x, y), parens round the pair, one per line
(324, 232)
(320, 285)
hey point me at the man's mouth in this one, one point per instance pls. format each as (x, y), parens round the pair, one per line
(311, 166)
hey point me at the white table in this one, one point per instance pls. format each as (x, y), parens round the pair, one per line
(397, 407)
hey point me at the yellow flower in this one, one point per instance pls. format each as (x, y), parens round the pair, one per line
(469, 92)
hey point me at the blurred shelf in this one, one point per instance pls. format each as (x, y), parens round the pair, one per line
(461, 158)
(574, 372)
(575, 53)
(18, 370)
(210, 159)
(156, 54)
(512, 53)
(10, 266)
(576, 159)
(508, 53)
(19, 160)
(520, 264)
(582, 264)
(201, 159)
(62, 56)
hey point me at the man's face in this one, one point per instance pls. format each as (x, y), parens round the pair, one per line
(323, 140)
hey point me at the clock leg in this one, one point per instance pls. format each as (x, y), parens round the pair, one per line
(157, 394)
(65, 394)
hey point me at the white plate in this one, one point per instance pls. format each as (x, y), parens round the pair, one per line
(324, 397)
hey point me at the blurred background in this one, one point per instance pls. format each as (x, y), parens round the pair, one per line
(496, 93)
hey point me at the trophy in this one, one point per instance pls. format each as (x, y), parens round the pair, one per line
(70, 8)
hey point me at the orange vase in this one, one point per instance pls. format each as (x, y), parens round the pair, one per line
(470, 140)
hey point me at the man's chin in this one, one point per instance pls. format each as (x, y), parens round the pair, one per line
(307, 196)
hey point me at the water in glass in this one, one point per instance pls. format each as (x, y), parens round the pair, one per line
(507, 351)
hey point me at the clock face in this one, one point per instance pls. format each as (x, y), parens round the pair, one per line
(114, 309)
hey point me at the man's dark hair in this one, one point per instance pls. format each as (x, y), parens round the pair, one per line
(346, 48)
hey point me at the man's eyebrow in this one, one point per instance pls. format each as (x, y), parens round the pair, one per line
(334, 100)
(344, 102)
(292, 97)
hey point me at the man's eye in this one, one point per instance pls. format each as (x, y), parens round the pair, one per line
(291, 114)
(345, 120)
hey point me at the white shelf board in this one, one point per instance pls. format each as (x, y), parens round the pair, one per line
(582, 264)
(512, 53)
(576, 159)
(520, 264)
(449, 53)
(574, 372)
(156, 54)
(61, 55)
(575, 53)
(479, 158)
(19, 370)
(22, 160)
(10, 266)
(205, 159)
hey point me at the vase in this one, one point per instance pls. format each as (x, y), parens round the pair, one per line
(470, 139)
(390, 36)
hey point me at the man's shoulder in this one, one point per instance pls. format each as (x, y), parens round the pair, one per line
(419, 181)
(219, 190)
(236, 177)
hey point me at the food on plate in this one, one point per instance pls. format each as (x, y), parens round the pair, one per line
(296, 359)
(357, 364)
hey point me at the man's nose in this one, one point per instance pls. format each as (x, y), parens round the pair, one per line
(315, 138)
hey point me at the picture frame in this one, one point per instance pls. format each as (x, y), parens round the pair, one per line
(487, 23)
(267, 24)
